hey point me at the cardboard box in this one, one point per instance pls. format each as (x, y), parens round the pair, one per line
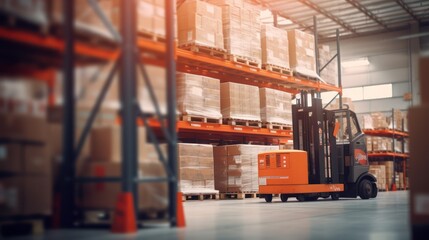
(26, 195)
(34, 11)
(23, 127)
(274, 44)
(419, 189)
(200, 23)
(276, 106)
(106, 144)
(198, 96)
(301, 52)
(11, 158)
(239, 101)
(36, 160)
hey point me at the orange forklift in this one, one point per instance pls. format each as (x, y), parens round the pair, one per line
(330, 158)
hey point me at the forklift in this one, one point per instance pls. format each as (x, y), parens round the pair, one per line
(330, 157)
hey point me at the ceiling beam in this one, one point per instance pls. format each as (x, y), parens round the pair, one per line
(407, 9)
(368, 13)
(328, 15)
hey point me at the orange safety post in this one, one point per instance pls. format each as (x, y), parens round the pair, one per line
(124, 219)
(180, 215)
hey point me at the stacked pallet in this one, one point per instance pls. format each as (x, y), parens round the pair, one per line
(275, 54)
(240, 104)
(302, 54)
(241, 30)
(196, 170)
(276, 107)
(200, 25)
(379, 171)
(25, 149)
(395, 121)
(329, 74)
(236, 167)
(198, 97)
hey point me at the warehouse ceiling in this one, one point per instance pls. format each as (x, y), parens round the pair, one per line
(353, 18)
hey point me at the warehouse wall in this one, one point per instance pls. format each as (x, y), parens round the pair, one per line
(424, 41)
(389, 63)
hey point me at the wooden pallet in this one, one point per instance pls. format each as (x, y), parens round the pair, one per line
(277, 69)
(192, 118)
(200, 196)
(207, 50)
(245, 60)
(277, 126)
(151, 36)
(239, 195)
(241, 122)
(30, 226)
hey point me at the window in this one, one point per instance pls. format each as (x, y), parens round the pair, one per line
(369, 92)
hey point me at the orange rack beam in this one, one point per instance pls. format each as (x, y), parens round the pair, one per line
(385, 133)
(388, 154)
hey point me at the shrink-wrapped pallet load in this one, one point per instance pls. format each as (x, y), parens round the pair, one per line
(276, 106)
(198, 96)
(240, 101)
(301, 53)
(329, 73)
(200, 23)
(274, 44)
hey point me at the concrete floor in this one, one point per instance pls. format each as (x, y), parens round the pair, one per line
(385, 217)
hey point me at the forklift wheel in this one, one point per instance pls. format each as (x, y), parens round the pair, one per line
(268, 198)
(311, 198)
(335, 196)
(301, 198)
(365, 189)
(374, 190)
(283, 197)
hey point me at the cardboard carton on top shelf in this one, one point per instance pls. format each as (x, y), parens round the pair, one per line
(274, 44)
(301, 52)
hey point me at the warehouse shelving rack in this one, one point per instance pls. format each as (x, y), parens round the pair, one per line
(395, 157)
(75, 52)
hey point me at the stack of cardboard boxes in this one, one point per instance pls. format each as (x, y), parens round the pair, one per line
(239, 101)
(196, 168)
(274, 44)
(198, 96)
(34, 11)
(379, 171)
(329, 73)
(241, 28)
(276, 106)
(25, 166)
(301, 53)
(236, 167)
(200, 23)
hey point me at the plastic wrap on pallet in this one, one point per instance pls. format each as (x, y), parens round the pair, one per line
(367, 122)
(301, 53)
(369, 143)
(274, 43)
(382, 144)
(241, 28)
(276, 106)
(398, 117)
(240, 101)
(157, 77)
(236, 167)
(86, 20)
(406, 146)
(379, 171)
(32, 11)
(200, 23)
(198, 95)
(196, 168)
(329, 73)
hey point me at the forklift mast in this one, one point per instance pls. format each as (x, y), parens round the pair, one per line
(314, 132)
